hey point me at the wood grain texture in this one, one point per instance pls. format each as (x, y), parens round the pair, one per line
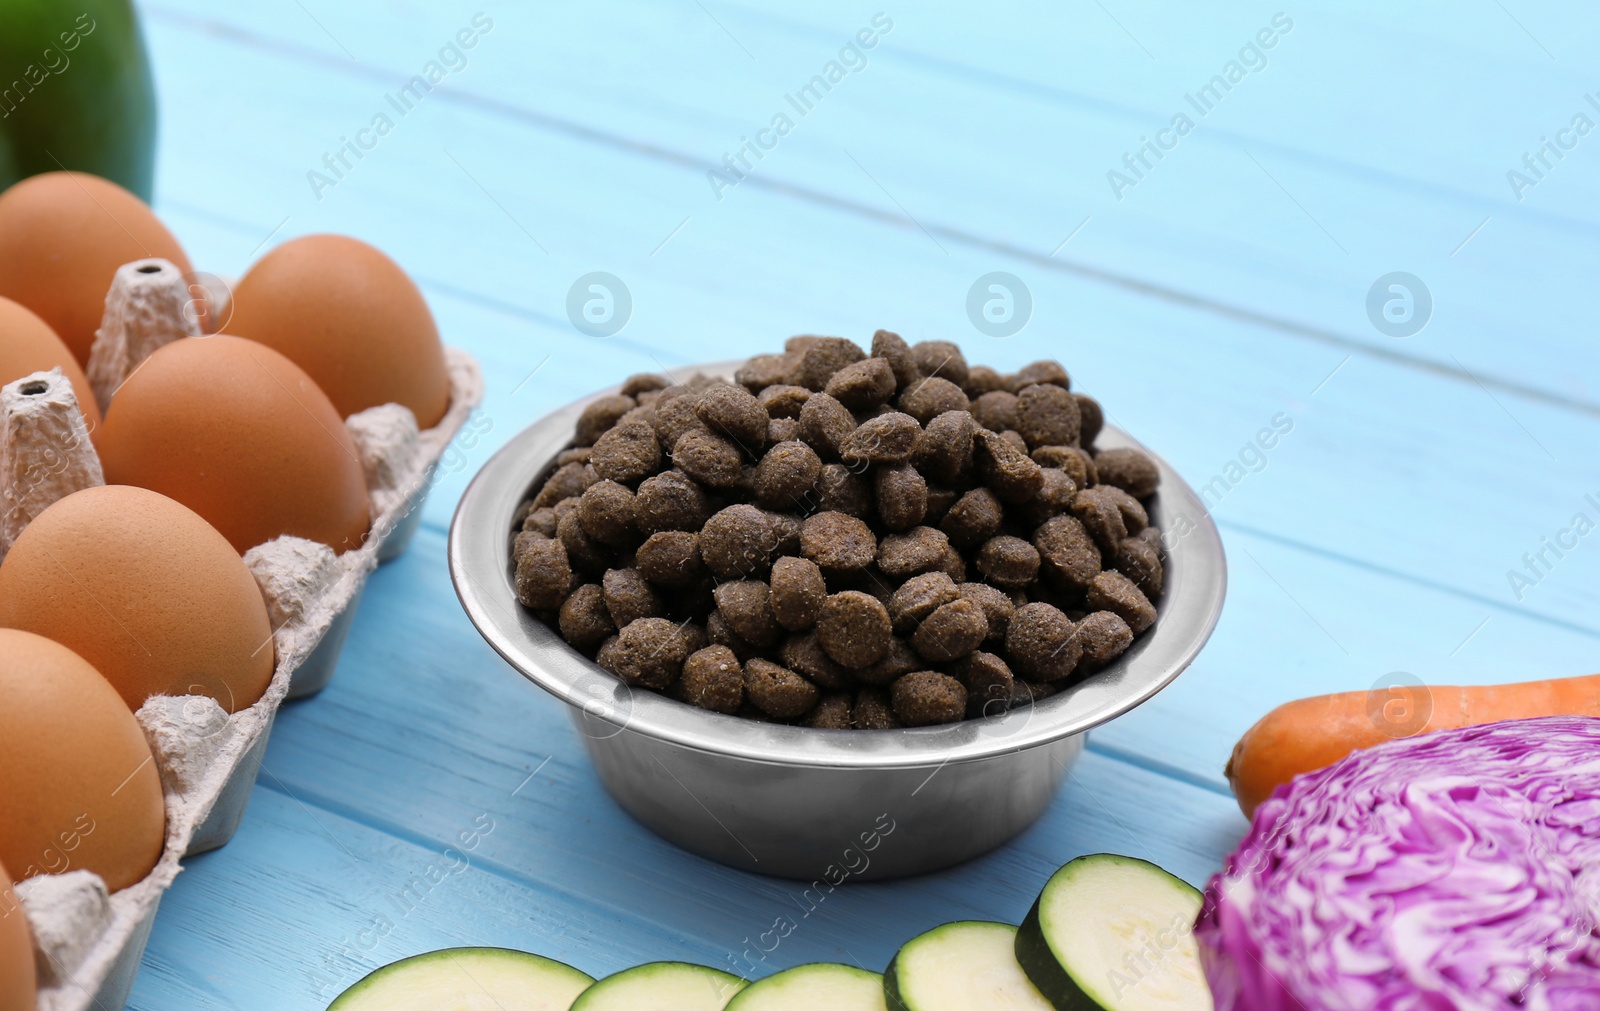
(1225, 288)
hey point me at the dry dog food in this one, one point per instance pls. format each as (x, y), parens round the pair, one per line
(846, 539)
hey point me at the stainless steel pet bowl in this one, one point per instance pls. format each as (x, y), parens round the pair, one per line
(822, 805)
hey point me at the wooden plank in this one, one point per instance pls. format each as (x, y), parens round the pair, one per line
(1281, 206)
(558, 870)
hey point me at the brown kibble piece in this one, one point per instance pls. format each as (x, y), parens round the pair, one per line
(1098, 513)
(804, 655)
(798, 591)
(643, 382)
(887, 439)
(821, 358)
(785, 532)
(584, 621)
(1091, 419)
(783, 401)
(600, 415)
(939, 502)
(951, 632)
(902, 556)
(1104, 636)
(1055, 497)
(569, 481)
(627, 453)
(670, 501)
(944, 449)
(746, 605)
(1029, 692)
(762, 371)
(675, 416)
(1067, 553)
(1042, 643)
(953, 564)
(782, 430)
(1008, 562)
(787, 475)
(989, 683)
(902, 496)
(718, 631)
(899, 661)
(648, 652)
(778, 691)
(996, 603)
(919, 597)
(1134, 515)
(577, 454)
(854, 629)
(996, 411)
(837, 542)
(873, 711)
(1115, 592)
(733, 411)
(738, 542)
(1004, 468)
(1072, 461)
(1132, 471)
(606, 511)
(929, 398)
(543, 575)
(708, 458)
(841, 490)
(1047, 415)
(893, 349)
(671, 559)
(982, 379)
(1043, 371)
(832, 713)
(975, 517)
(1140, 561)
(940, 358)
(825, 424)
(1015, 438)
(713, 679)
(583, 551)
(541, 521)
(863, 385)
(925, 698)
(629, 596)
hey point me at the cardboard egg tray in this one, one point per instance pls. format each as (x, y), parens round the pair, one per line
(88, 943)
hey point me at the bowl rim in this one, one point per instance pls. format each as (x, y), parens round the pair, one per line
(479, 554)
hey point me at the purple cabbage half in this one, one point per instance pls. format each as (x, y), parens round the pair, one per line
(1456, 870)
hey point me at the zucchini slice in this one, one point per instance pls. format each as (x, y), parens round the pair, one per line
(662, 986)
(969, 965)
(467, 979)
(812, 988)
(1115, 933)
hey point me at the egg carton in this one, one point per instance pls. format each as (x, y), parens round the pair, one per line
(88, 942)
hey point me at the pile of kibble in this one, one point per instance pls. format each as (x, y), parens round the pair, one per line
(845, 540)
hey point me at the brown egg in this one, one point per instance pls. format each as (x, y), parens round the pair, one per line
(62, 237)
(28, 345)
(238, 433)
(80, 790)
(17, 982)
(146, 591)
(350, 317)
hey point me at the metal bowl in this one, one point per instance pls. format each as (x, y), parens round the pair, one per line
(822, 805)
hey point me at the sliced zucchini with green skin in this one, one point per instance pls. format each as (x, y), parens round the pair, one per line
(467, 979)
(1115, 933)
(814, 988)
(662, 986)
(969, 965)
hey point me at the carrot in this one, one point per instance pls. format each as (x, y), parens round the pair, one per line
(1308, 734)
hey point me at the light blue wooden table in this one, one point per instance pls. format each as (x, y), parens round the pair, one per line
(1223, 286)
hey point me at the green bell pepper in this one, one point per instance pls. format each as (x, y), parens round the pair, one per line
(75, 92)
